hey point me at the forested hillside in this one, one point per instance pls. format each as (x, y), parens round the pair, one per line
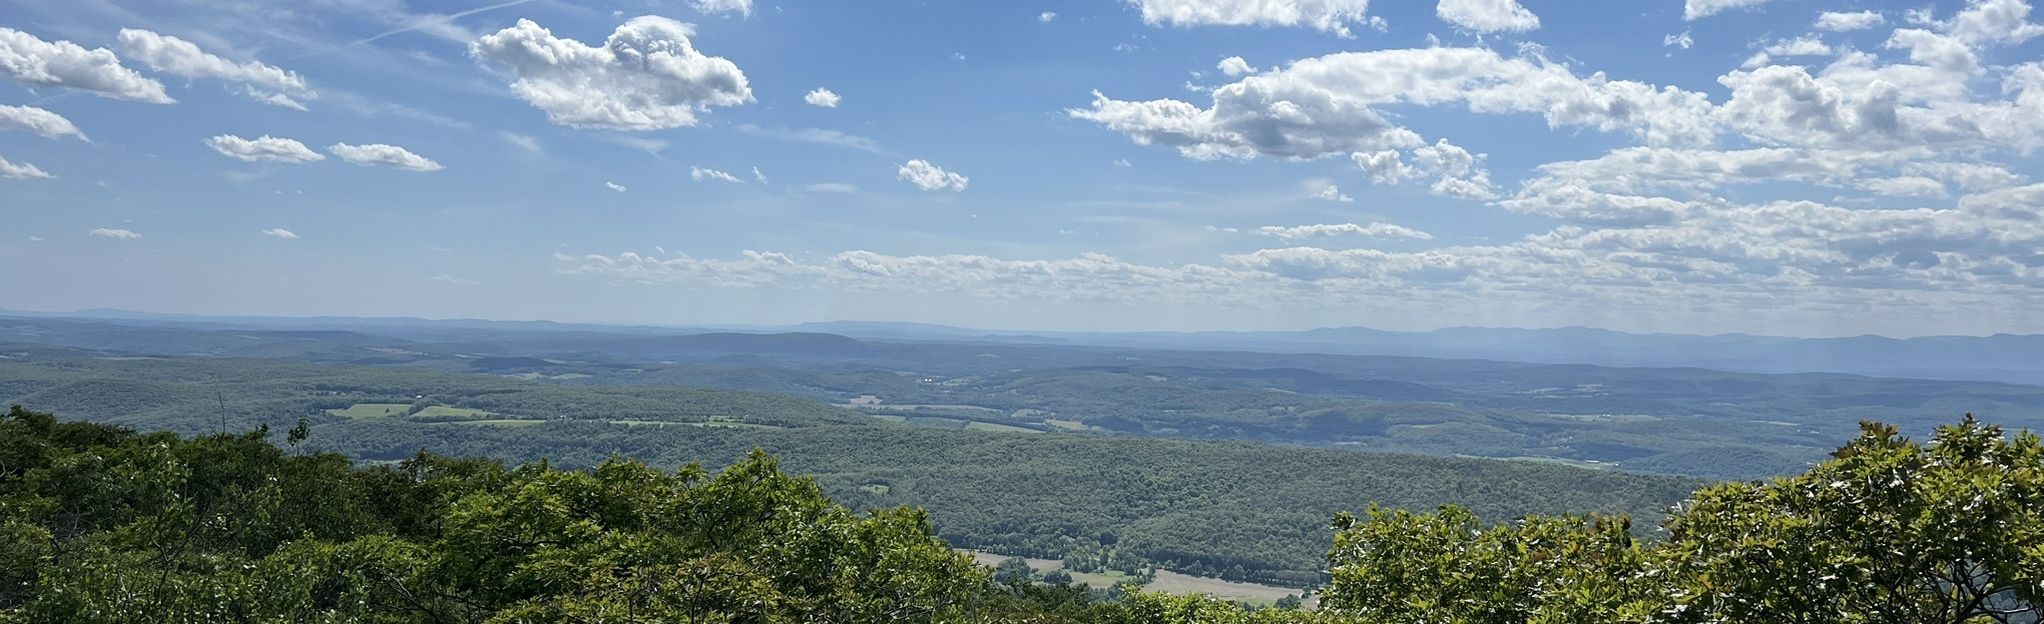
(100, 524)
(1236, 510)
(1682, 421)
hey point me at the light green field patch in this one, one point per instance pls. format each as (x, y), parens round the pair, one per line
(987, 426)
(566, 376)
(1068, 425)
(495, 423)
(442, 412)
(731, 425)
(372, 410)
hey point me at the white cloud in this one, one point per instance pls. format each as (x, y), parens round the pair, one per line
(264, 148)
(114, 233)
(65, 64)
(266, 83)
(1487, 16)
(614, 186)
(21, 171)
(1234, 67)
(930, 177)
(381, 154)
(1835, 21)
(278, 100)
(523, 141)
(821, 97)
(1699, 9)
(1806, 45)
(1334, 16)
(1462, 174)
(42, 122)
(700, 174)
(1905, 186)
(454, 281)
(1373, 230)
(280, 233)
(1331, 193)
(1678, 40)
(1046, 17)
(647, 75)
(759, 175)
(818, 136)
(839, 188)
(1327, 105)
(720, 7)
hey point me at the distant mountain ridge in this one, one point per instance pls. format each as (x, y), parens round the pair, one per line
(2001, 357)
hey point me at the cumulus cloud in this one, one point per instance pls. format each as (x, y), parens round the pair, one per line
(39, 121)
(385, 155)
(1806, 45)
(266, 83)
(1234, 67)
(1373, 230)
(646, 76)
(722, 7)
(65, 64)
(930, 177)
(1456, 171)
(1046, 17)
(1322, 189)
(1487, 16)
(1699, 9)
(1861, 101)
(21, 171)
(1334, 16)
(1330, 105)
(114, 233)
(700, 174)
(1678, 40)
(1835, 21)
(280, 233)
(614, 186)
(821, 97)
(264, 148)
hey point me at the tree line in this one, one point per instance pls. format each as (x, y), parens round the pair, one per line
(103, 524)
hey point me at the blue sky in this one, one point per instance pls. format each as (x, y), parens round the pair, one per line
(1769, 166)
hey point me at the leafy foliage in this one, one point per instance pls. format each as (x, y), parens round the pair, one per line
(104, 525)
(1888, 531)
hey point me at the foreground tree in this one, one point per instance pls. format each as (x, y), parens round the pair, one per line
(1887, 531)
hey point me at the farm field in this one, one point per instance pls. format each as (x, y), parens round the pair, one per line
(372, 410)
(1167, 581)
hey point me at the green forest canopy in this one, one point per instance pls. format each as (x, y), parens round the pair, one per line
(101, 524)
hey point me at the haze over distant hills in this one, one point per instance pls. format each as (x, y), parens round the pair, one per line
(2001, 357)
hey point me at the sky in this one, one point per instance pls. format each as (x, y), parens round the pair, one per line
(1790, 167)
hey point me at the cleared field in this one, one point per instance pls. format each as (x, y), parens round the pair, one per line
(986, 426)
(494, 423)
(443, 412)
(731, 425)
(1068, 425)
(1174, 583)
(372, 410)
(1167, 581)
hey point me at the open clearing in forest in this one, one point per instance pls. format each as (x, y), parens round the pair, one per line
(372, 410)
(442, 412)
(1167, 581)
